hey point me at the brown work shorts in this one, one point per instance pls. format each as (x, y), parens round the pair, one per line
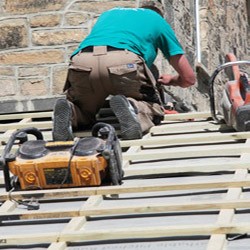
(94, 75)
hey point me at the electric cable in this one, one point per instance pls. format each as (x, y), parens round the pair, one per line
(31, 205)
(77, 140)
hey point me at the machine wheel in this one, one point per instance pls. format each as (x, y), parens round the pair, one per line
(118, 156)
(114, 172)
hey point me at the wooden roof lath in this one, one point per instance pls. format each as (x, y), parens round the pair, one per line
(186, 186)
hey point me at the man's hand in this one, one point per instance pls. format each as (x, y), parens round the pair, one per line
(185, 77)
(168, 80)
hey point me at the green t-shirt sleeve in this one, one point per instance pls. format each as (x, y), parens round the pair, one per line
(168, 42)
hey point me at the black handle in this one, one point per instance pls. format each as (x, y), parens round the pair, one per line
(20, 135)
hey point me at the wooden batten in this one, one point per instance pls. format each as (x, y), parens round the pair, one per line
(187, 177)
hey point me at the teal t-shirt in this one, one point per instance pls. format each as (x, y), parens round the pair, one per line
(139, 30)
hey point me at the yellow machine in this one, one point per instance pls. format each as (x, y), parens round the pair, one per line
(38, 164)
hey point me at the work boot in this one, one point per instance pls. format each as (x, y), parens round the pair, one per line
(126, 115)
(62, 129)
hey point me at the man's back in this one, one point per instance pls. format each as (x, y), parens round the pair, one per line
(114, 60)
(141, 31)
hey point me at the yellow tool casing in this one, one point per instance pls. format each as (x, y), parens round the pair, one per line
(52, 169)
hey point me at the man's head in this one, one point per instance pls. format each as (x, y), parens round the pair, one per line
(155, 5)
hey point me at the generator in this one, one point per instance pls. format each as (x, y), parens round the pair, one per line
(38, 164)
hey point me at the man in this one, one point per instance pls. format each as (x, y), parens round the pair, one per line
(114, 59)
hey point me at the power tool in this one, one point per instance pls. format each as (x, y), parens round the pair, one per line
(40, 164)
(235, 103)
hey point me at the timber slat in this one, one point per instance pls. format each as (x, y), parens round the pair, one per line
(169, 163)
(214, 150)
(4, 117)
(106, 190)
(127, 233)
(129, 209)
(186, 139)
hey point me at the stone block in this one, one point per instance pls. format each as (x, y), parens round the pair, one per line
(59, 78)
(31, 6)
(32, 57)
(33, 71)
(7, 106)
(57, 37)
(204, 28)
(8, 87)
(33, 87)
(7, 71)
(75, 19)
(13, 33)
(49, 20)
(44, 104)
(21, 105)
(99, 7)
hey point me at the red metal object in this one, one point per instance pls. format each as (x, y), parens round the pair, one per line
(236, 95)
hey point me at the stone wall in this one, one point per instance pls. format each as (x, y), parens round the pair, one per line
(224, 28)
(36, 40)
(38, 36)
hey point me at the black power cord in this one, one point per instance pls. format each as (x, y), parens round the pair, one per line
(77, 140)
(32, 204)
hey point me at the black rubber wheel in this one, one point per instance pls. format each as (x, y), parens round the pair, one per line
(118, 156)
(113, 169)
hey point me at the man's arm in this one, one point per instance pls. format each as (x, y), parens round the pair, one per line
(185, 77)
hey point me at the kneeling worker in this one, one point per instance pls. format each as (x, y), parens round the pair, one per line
(114, 59)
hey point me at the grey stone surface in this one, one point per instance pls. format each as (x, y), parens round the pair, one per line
(224, 28)
(15, 106)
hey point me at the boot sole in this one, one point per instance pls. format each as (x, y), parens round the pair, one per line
(130, 127)
(62, 130)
